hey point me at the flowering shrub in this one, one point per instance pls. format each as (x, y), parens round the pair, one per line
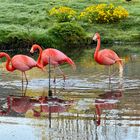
(103, 13)
(63, 13)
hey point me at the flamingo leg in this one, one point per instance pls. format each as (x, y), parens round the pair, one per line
(64, 77)
(54, 89)
(49, 92)
(26, 78)
(109, 73)
(25, 89)
(24, 93)
(54, 75)
(22, 82)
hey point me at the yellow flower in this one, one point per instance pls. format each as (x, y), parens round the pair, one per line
(63, 13)
(104, 13)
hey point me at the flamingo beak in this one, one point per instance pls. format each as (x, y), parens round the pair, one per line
(31, 51)
(94, 38)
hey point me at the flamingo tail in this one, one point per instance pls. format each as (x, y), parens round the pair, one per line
(69, 61)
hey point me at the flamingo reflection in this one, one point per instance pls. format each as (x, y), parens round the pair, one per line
(108, 101)
(22, 104)
(18, 104)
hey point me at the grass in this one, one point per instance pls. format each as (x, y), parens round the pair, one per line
(30, 18)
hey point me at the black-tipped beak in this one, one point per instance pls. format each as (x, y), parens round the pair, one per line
(31, 53)
(93, 41)
(94, 38)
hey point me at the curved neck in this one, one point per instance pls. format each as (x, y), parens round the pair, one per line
(8, 66)
(97, 48)
(5, 112)
(98, 113)
(39, 61)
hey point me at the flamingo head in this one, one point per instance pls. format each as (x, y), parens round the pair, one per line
(96, 37)
(34, 47)
(2, 54)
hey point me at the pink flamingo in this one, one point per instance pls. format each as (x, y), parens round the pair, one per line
(21, 63)
(52, 56)
(106, 56)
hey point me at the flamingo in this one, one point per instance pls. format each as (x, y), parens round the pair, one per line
(53, 57)
(20, 62)
(106, 56)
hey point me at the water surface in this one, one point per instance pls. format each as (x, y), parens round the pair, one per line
(84, 107)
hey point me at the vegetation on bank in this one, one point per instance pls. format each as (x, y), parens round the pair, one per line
(26, 22)
(103, 13)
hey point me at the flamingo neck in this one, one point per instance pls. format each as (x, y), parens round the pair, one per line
(8, 103)
(98, 113)
(39, 61)
(97, 48)
(5, 112)
(8, 66)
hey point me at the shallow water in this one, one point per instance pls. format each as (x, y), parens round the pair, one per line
(84, 107)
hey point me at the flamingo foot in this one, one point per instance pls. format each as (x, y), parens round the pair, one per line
(54, 81)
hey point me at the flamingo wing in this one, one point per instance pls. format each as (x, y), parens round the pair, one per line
(56, 57)
(23, 62)
(107, 57)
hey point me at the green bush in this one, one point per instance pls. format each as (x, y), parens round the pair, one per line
(66, 36)
(63, 36)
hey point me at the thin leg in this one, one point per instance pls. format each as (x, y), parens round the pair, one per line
(25, 89)
(22, 82)
(49, 92)
(54, 75)
(26, 78)
(49, 116)
(120, 83)
(109, 73)
(64, 77)
(54, 89)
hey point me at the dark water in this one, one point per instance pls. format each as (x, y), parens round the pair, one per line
(84, 107)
